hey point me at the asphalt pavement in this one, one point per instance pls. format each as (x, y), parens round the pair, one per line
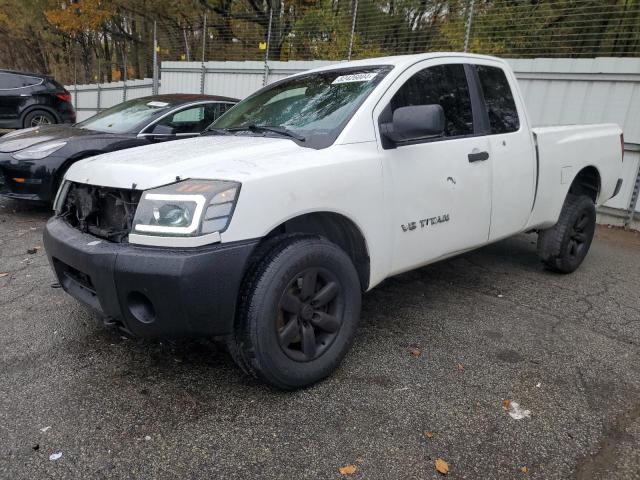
(485, 361)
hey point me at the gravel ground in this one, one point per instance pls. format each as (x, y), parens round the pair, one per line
(439, 350)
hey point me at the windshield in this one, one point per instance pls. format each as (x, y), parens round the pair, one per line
(314, 107)
(124, 117)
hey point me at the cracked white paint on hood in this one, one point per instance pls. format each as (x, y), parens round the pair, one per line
(212, 157)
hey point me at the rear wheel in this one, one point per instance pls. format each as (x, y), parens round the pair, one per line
(298, 313)
(38, 118)
(564, 246)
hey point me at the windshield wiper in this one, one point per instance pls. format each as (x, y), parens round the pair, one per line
(266, 128)
(216, 131)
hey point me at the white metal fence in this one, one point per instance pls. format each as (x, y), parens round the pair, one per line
(557, 91)
(91, 98)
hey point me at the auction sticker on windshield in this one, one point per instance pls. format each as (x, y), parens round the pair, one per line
(355, 77)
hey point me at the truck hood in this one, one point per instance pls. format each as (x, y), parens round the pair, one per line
(21, 139)
(237, 157)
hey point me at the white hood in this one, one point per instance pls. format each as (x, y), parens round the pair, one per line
(210, 157)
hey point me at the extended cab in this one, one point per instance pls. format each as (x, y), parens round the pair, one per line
(266, 229)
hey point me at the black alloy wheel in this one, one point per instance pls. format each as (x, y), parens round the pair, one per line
(298, 311)
(564, 246)
(578, 236)
(310, 314)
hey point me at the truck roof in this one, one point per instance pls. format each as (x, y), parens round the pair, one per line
(402, 60)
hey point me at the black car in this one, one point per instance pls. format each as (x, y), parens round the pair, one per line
(33, 161)
(30, 100)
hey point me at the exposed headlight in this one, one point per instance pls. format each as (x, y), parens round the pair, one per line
(190, 208)
(39, 151)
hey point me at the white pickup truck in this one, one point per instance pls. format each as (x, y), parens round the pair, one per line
(266, 229)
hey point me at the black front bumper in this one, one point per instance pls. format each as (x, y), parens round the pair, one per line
(37, 178)
(150, 292)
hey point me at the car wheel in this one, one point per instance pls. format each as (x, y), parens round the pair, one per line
(564, 246)
(38, 118)
(298, 312)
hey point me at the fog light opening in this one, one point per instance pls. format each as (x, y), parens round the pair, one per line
(141, 307)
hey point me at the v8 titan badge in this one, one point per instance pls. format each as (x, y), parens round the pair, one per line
(425, 222)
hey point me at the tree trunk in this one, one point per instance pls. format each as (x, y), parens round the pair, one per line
(136, 49)
(107, 57)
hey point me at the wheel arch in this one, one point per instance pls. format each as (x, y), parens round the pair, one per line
(335, 227)
(587, 182)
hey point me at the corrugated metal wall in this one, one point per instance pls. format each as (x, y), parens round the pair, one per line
(90, 99)
(557, 91)
(230, 79)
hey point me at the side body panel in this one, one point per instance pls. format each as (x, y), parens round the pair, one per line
(343, 179)
(562, 153)
(436, 201)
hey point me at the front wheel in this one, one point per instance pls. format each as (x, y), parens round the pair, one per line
(564, 246)
(298, 312)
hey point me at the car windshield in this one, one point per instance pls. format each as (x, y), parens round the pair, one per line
(311, 109)
(124, 117)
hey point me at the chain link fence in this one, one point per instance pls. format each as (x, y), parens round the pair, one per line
(351, 29)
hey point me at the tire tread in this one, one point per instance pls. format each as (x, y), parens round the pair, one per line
(551, 241)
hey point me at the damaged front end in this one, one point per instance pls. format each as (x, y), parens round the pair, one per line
(101, 211)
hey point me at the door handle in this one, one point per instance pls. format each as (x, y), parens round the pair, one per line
(478, 157)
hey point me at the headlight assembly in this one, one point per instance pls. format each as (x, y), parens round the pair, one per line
(191, 208)
(39, 151)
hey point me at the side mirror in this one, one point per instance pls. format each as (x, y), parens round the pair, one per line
(162, 130)
(414, 123)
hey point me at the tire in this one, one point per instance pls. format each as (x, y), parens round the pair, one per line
(298, 312)
(38, 118)
(564, 246)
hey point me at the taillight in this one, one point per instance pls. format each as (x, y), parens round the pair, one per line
(65, 97)
(622, 145)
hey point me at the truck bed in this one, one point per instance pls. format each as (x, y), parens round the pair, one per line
(561, 153)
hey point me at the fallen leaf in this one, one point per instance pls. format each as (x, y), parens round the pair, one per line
(442, 466)
(524, 469)
(415, 352)
(460, 367)
(428, 434)
(4, 274)
(506, 404)
(348, 470)
(33, 250)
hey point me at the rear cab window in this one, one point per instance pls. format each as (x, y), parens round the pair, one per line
(498, 100)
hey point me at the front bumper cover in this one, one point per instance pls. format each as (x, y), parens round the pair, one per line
(150, 292)
(38, 177)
